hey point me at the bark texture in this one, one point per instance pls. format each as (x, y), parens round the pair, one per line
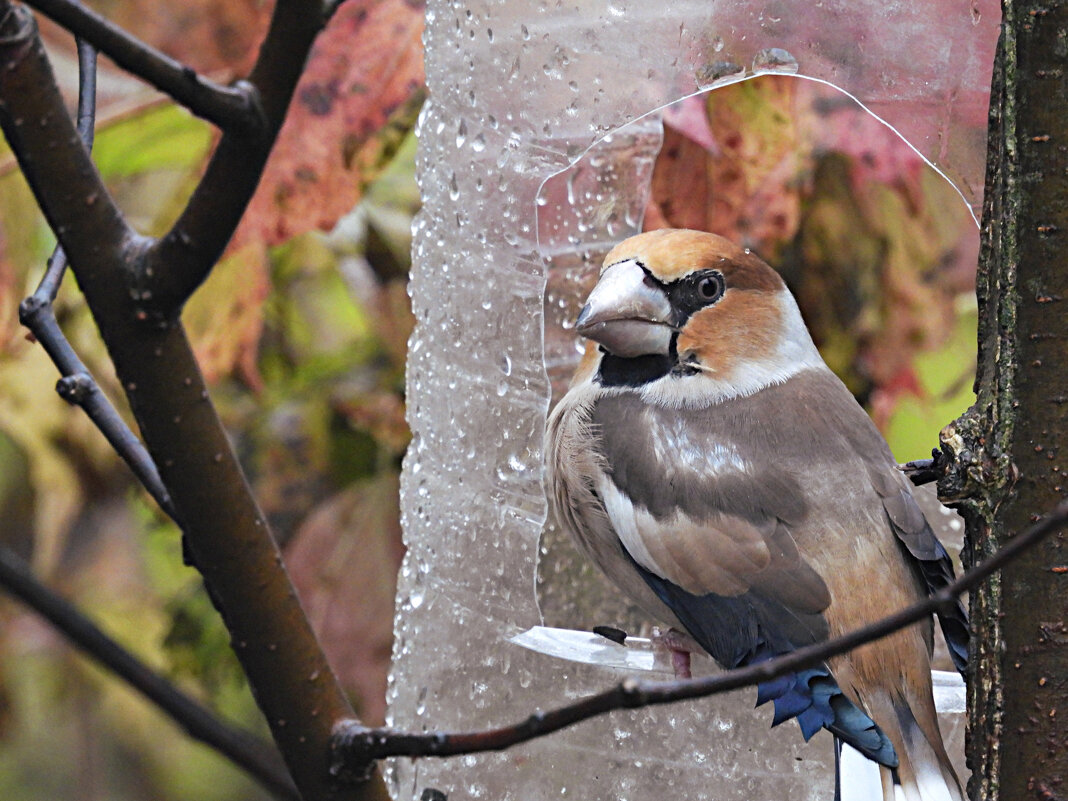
(1009, 451)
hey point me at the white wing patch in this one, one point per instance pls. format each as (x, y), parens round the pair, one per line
(720, 556)
(624, 518)
(676, 451)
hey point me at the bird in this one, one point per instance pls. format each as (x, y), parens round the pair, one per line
(708, 461)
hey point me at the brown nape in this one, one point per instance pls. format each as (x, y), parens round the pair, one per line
(671, 253)
(751, 273)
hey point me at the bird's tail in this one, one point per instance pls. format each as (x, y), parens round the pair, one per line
(924, 772)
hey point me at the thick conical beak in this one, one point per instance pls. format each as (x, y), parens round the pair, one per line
(626, 315)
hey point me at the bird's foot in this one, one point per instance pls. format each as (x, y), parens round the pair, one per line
(680, 645)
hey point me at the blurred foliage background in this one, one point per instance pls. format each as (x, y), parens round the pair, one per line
(879, 249)
(301, 330)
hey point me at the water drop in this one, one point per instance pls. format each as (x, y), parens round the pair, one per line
(775, 59)
(709, 74)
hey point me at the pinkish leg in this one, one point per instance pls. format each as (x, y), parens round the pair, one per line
(680, 661)
(680, 645)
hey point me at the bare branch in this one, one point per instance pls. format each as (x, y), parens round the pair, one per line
(182, 259)
(53, 160)
(229, 107)
(356, 747)
(76, 386)
(36, 312)
(85, 122)
(224, 530)
(256, 757)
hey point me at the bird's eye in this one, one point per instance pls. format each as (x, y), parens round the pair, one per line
(710, 287)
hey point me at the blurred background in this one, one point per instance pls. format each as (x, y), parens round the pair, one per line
(301, 330)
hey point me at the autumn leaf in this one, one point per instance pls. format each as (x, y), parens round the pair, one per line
(874, 243)
(336, 136)
(344, 563)
(211, 36)
(737, 173)
(225, 319)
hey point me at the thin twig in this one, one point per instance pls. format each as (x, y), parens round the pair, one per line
(36, 312)
(255, 756)
(229, 107)
(225, 531)
(85, 121)
(356, 747)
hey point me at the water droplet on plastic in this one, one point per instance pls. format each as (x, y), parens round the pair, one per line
(461, 134)
(775, 59)
(709, 74)
(454, 189)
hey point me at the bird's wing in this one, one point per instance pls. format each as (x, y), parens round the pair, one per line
(927, 555)
(709, 531)
(709, 508)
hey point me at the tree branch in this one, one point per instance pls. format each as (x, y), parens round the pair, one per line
(55, 163)
(36, 312)
(355, 747)
(256, 757)
(224, 529)
(184, 257)
(232, 108)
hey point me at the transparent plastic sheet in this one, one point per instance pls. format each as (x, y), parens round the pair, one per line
(536, 148)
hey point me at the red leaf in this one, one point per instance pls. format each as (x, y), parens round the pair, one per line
(364, 67)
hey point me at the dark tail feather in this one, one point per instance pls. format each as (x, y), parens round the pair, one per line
(814, 698)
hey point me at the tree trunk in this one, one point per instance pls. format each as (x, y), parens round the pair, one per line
(1010, 450)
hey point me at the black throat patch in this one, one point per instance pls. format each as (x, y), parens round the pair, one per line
(617, 371)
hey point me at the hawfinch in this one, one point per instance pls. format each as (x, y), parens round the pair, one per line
(709, 462)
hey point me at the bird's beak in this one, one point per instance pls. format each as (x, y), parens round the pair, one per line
(626, 315)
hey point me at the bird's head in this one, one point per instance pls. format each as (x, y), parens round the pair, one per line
(674, 304)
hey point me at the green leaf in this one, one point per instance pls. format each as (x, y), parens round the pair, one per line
(159, 137)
